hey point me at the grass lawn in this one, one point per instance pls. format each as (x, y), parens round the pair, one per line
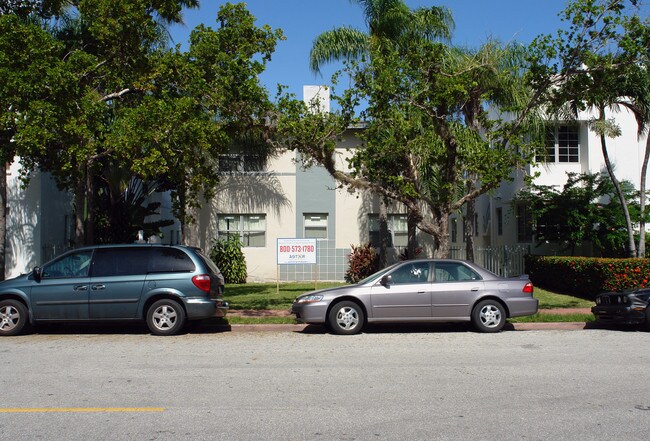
(266, 295)
(260, 296)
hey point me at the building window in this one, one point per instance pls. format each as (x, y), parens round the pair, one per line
(397, 230)
(251, 228)
(475, 224)
(315, 225)
(524, 224)
(562, 144)
(499, 221)
(241, 163)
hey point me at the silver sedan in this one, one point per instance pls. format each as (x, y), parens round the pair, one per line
(428, 290)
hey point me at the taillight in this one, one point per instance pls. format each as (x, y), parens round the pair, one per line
(528, 288)
(202, 282)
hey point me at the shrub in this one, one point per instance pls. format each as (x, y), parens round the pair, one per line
(228, 256)
(587, 277)
(363, 261)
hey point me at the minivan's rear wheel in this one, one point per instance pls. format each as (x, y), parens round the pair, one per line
(489, 316)
(13, 317)
(165, 317)
(346, 318)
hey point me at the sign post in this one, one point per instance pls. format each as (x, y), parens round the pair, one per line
(295, 252)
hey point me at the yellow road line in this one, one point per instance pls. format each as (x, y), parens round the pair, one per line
(79, 409)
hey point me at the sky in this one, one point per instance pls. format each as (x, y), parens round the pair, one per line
(302, 20)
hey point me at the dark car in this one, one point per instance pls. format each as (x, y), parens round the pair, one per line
(428, 290)
(160, 284)
(628, 308)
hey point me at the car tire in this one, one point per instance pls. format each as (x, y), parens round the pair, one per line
(165, 317)
(489, 316)
(346, 318)
(13, 317)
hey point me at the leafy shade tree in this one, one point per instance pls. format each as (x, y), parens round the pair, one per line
(388, 21)
(24, 85)
(599, 70)
(586, 209)
(110, 95)
(427, 130)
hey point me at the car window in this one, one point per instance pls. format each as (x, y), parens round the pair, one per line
(453, 272)
(170, 260)
(210, 265)
(416, 272)
(120, 262)
(71, 265)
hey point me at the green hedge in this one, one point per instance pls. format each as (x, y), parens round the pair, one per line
(586, 277)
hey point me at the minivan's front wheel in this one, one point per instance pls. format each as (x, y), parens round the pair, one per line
(346, 318)
(13, 317)
(165, 317)
(489, 316)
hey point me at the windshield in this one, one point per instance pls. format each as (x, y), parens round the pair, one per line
(376, 276)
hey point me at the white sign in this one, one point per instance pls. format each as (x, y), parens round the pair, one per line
(296, 251)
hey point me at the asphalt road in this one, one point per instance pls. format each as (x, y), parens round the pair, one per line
(425, 384)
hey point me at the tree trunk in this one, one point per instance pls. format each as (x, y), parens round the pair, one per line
(3, 220)
(469, 225)
(412, 224)
(644, 171)
(80, 214)
(631, 245)
(90, 201)
(442, 239)
(383, 233)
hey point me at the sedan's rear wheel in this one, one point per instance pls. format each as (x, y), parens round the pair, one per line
(346, 318)
(489, 316)
(165, 317)
(13, 317)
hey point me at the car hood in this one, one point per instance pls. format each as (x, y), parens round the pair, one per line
(14, 281)
(329, 291)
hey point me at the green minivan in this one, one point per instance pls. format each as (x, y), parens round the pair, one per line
(164, 285)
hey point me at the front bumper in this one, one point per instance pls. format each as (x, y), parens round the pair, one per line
(202, 308)
(314, 312)
(619, 315)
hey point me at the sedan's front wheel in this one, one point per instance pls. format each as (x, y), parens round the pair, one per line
(346, 318)
(165, 317)
(489, 316)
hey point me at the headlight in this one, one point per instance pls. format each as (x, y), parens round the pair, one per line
(309, 298)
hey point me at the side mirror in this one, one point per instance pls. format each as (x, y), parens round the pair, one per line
(37, 274)
(386, 280)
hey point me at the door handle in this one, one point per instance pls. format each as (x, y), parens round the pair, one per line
(81, 287)
(98, 287)
(475, 289)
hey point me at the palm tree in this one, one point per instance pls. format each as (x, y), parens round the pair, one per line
(388, 21)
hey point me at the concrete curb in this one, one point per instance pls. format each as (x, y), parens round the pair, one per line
(302, 328)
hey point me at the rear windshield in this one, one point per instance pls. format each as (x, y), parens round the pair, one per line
(212, 268)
